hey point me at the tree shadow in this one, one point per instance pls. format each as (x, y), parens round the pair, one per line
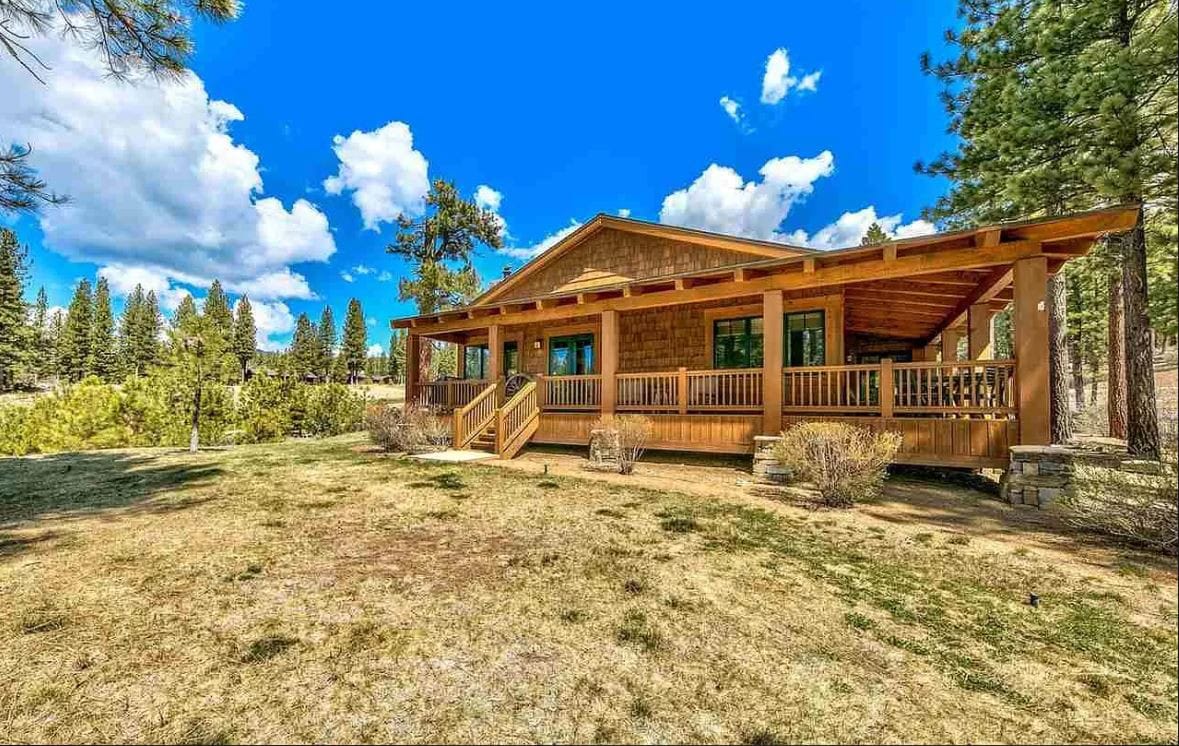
(72, 485)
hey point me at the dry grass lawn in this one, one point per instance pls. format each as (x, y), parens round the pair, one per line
(315, 591)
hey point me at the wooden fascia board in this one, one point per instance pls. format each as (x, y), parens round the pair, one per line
(835, 275)
(573, 239)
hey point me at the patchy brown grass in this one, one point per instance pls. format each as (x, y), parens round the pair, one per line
(312, 591)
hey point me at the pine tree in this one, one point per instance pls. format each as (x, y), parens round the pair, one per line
(245, 335)
(874, 235)
(355, 344)
(41, 357)
(104, 360)
(148, 330)
(304, 352)
(216, 310)
(74, 351)
(14, 326)
(327, 342)
(53, 344)
(198, 352)
(397, 356)
(132, 309)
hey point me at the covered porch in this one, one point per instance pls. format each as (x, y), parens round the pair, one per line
(897, 336)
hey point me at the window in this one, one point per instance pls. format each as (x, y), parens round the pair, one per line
(511, 358)
(571, 356)
(804, 344)
(737, 343)
(478, 362)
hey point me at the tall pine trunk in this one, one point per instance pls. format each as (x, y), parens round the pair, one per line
(194, 437)
(1074, 355)
(1058, 362)
(1143, 437)
(1115, 382)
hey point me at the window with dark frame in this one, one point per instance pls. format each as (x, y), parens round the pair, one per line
(805, 342)
(740, 342)
(572, 355)
(477, 359)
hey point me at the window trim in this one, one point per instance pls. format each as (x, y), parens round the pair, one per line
(748, 321)
(822, 312)
(561, 334)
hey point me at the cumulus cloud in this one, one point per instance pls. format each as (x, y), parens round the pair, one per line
(489, 199)
(362, 269)
(721, 200)
(273, 320)
(851, 227)
(777, 81)
(624, 212)
(528, 252)
(157, 182)
(347, 276)
(374, 350)
(385, 276)
(384, 173)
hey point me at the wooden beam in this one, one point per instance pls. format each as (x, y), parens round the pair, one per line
(808, 266)
(740, 275)
(413, 359)
(1031, 350)
(609, 361)
(988, 238)
(914, 299)
(996, 281)
(890, 252)
(494, 352)
(833, 275)
(980, 339)
(950, 339)
(772, 336)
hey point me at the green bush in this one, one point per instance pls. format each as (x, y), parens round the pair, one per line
(332, 409)
(263, 408)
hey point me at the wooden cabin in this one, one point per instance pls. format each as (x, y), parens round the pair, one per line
(719, 339)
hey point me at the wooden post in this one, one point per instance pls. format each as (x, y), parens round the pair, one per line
(413, 357)
(609, 365)
(682, 390)
(931, 353)
(771, 373)
(494, 354)
(460, 368)
(980, 323)
(950, 339)
(887, 395)
(1031, 350)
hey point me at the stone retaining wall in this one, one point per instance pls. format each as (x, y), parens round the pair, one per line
(1041, 475)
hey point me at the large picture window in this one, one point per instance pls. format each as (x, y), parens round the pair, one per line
(804, 344)
(572, 355)
(737, 343)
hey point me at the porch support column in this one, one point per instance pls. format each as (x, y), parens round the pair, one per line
(609, 365)
(413, 359)
(771, 375)
(980, 322)
(931, 351)
(494, 352)
(1031, 350)
(460, 364)
(950, 339)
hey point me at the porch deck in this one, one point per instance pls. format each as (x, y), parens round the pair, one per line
(959, 413)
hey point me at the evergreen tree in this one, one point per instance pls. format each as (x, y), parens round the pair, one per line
(216, 310)
(245, 335)
(198, 351)
(304, 352)
(185, 312)
(104, 360)
(148, 331)
(41, 357)
(439, 248)
(74, 351)
(397, 355)
(132, 309)
(355, 344)
(53, 345)
(327, 342)
(14, 326)
(874, 235)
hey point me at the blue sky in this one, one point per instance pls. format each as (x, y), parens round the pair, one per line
(559, 113)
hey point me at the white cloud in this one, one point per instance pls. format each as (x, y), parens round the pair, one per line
(362, 269)
(487, 198)
(347, 277)
(732, 108)
(385, 276)
(370, 321)
(528, 252)
(375, 350)
(123, 279)
(851, 227)
(777, 81)
(386, 176)
(720, 200)
(624, 212)
(272, 320)
(810, 81)
(157, 182)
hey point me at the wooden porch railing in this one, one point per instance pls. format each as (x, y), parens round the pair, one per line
(447, 395)
(961, 387)
(686, 391)
(648, 392)
(832, 388)
(473, 417)
(571, 392)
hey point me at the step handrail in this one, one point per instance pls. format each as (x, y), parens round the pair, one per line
(515, 416)
(474, 417)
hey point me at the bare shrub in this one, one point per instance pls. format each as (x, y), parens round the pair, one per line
(844, 462)
(410, 429)
(628, 435)
(1137, 508)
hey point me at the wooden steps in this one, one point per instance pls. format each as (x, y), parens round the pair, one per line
(485, 441)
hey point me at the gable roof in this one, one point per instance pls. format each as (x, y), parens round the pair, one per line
(754, 248)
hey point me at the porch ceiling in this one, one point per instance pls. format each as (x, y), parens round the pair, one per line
(921, 307)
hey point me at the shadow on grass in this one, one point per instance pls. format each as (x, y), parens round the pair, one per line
(73, 484)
